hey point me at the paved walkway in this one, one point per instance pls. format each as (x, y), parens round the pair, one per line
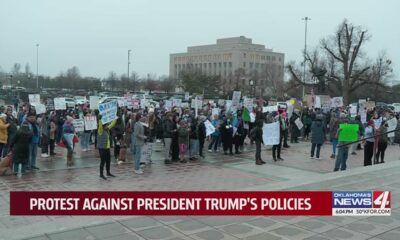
(216, 172)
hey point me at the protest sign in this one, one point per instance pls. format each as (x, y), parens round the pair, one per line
(362, 106)
(176, 102)
(271, 133)
(248, 103)
(336, 102)
(215, 111)
(40, 108)
(147, 150)
(392, 124)
(228, 104)
(90, 123)
(50, 105)
(317, 102)
(348, 132)
(144, 103)
(184, 105)
(370, 105)
(298, 123)
(353, 110)
(168, 104)
(210, 129)
(94, 102)
(34, 98)
(221, 102)
(79, 125)
(60, 104)
(236, 97)
(270, 109)
(108, 111)
(196, 103)
(135, 104)
(121, 102)
(252, 117)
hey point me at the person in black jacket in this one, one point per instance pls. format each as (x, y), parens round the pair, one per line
(227, 134)
(258, 139)
(201, 134)
(20, 148)
(169, 128)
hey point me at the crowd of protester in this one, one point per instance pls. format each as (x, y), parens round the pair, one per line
(182, 131)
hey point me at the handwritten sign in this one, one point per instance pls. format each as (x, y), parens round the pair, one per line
(298, 123)
(271, 133)
(337, 102)
(90, 123)
(60, 104)
(79, 125)
(248, 103)
(108, 111)
(210, 129)
(392, 124)
(270, 109)
(34, 98)
(94, 102)
(40, 108)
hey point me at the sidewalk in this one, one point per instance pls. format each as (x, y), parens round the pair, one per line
(216, 173)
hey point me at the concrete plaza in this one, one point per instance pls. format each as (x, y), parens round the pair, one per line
(216, 172)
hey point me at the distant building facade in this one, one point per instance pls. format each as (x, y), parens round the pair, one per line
(236, 60)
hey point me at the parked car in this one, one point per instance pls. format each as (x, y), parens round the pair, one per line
(109, 99)
(396, 107)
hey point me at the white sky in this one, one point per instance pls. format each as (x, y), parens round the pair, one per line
(95, 35)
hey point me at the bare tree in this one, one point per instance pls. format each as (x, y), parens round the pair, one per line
(15, 69)
(343, 65)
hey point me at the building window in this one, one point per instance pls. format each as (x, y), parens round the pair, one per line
(251, 65)
(230, 64)
(244, 64)
(244, 55)
(280, 59)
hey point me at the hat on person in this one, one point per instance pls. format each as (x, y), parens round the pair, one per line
(3, 115)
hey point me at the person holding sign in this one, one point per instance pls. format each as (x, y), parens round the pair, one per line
(103, 144)
(227, 134)
(369, 133)
(294, 130)
(346, 134)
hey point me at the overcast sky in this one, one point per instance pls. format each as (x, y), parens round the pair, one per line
(95, 35)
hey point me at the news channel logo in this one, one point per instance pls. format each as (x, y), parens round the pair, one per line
(368, 203)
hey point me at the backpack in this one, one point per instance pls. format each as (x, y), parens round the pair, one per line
(253, 134)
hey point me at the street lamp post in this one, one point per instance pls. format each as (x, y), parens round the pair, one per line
(37, 66)
(251, 83)
(129, 62)
(306, 19)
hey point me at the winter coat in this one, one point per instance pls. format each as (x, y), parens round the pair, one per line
(139, 134)
(294, 130)
(12, 128)
(397, 133)
(169, 127)
(20, 145)
(3, 131)
(202, 131)
(318, 132)
(226, 131)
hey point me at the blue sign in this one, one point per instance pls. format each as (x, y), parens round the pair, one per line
(108, 111)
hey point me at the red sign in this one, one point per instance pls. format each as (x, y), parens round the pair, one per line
(171, 203)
